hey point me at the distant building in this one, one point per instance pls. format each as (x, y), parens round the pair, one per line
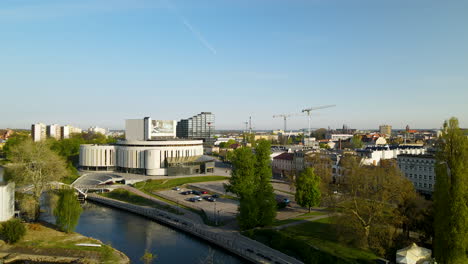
(373, 155)
(54, 131)
(283, 164)
(201, 126)
(67, 130)
(150, 148)
(95, 130)
(338, 137)
(38, 132)
(420, 170)
(386, 130)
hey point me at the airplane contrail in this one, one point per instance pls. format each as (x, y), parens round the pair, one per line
(194, 31)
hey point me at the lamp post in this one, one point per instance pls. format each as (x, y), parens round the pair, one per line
(214, 213)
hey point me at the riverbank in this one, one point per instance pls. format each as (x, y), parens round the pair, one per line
(232, 241)
(42, 243)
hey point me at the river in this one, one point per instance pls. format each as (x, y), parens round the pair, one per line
(133, 234)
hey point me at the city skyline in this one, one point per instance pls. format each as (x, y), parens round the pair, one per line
(100, 62)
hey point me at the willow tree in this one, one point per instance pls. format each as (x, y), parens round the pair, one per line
(68, 210)
(451, 195)
(34, 164)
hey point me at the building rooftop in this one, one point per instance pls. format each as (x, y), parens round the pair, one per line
(422, 156)
(285, 156)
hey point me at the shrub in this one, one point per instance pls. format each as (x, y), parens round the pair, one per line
(12, 231)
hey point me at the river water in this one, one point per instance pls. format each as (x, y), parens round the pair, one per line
(133, 234)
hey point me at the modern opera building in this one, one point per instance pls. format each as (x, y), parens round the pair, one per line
(151, 148)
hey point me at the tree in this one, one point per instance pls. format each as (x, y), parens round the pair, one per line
(450, 195)
(148, 257)
(250, 181)
(264, 190)
(242, 176)
(68, 210)
(356, 142)
(372, 195)
(319, 133)
(35, 164)
(308, 189)
(12, 231)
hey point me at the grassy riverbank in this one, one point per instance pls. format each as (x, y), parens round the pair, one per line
(126, 196)
(312, 242)
(156, 185)
(48, 243)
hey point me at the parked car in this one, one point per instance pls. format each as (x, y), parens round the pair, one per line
(215, 196)
(196, 192)
(286, 201)
(192, 199)
(186, 192)
(211, 199)
(204, 192)
(198, 198)
(177, 188)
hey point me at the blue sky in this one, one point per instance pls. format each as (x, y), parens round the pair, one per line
(98, 62)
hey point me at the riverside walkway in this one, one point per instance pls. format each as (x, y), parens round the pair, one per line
(232, 241)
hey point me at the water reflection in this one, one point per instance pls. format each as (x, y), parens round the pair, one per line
(133, 234)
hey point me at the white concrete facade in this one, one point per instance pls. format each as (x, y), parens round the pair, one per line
(148, 157)
(420, 170)
(373, 157)
(7, 201)
(38, 132)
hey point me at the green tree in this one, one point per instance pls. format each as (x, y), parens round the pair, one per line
(148, 257)
(14, 141)
(12, 231)
(356, 142)
(68, 210)
(319, 133)
(450, 196)
(264, 190)
(35, 164)
(308, 189)
(242, 179)
(250, 181)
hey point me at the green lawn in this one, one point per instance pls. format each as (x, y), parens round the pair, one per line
(298, 218)
(126, 196)
(322, 235)
(156, 185)
(311, 242)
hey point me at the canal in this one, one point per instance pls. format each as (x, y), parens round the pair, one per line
(133, 234)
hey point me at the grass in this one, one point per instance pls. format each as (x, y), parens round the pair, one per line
(321, 234)
(126, 196)
(156, 185)
(311, 242)
(54, 242)
(298, 218)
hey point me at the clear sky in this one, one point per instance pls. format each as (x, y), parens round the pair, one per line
(98, 62)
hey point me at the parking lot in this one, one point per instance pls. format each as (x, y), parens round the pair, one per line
(222, 210)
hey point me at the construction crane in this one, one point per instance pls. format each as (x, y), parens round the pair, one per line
(285, 118)
(310, 109)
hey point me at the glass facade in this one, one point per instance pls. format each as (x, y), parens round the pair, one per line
(201, 126)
